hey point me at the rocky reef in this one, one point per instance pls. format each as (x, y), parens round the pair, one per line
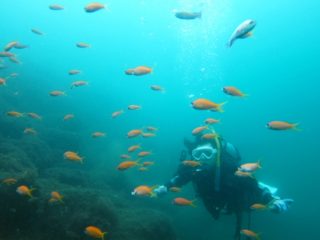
(88, 198)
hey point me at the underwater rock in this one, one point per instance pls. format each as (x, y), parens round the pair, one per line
(143, 224)
(69, 176)
(14, 162)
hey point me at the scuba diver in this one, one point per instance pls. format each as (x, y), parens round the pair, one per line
(218, 183)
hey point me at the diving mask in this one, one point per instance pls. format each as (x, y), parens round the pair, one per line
(204, 152)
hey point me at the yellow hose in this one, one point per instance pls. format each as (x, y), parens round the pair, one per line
(218, 161)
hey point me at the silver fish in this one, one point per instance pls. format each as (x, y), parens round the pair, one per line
(188, 15)
(242, 31)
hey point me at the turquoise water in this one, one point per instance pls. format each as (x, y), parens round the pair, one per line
(277, 67)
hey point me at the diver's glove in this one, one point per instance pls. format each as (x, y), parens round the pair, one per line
(161, 190)
(281, 205)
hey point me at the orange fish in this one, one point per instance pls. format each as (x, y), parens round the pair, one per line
(147, 163)
(134, 148)
(191, 163)
(93, 7)
(95, 232)
(56, 197)
(205, 104)
(10, 45)
(183, 202)
(57, 93)
(148, 135)
(250, 167)
(233, 91)
(134, 107)
(125, 156)
(175, 189)
(83, 45)
(259, 206)
(14, 60)
(30, 131)
(36, 31)
(6, 54)
(143, 169)
(117, 113)
(13, 75)
(73, 156)
(56, 7)
(144, 154)
(152, 129)
(127, 164)
(145, 191)
(198, 130)
(134, 133)
(98, 134)
(25, 191)
(239, 173)
(20, 46)
(14, 114)
(157, 88)
(79, 83)
(280, 125)
(138, 71)
(250, 234)
(3, 82)
(74, 72)
(209, 136)
(9, 181)
(68, 117)
(211, 121)
(34, 116)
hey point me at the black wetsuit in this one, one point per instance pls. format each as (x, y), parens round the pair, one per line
(234, 195)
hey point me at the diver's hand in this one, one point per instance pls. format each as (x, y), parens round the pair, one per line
(281, 205)
(161, 190)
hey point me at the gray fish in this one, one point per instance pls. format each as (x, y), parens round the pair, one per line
(188, 15)
(242, 31)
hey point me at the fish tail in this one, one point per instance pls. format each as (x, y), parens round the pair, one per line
(258, 237)
(295, 127)
(104, 233)
(30, 193)
(229, 43)
(259, 163)
(219, 108)
(192, 203)
(200, 15)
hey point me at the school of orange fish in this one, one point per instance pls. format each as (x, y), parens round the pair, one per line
(245, 170)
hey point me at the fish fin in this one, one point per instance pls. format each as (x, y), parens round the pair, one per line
(252, 176)
(230, 43)
(219, 108)
(248, 34)
(259, 163)
(192, 203)
(295, 127)
(153, 194)
(104, 233)
(154, 187)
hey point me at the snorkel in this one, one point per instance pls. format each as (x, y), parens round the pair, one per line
(218, 160)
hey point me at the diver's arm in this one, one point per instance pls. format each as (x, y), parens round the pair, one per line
(182, 177)
(275, 203)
